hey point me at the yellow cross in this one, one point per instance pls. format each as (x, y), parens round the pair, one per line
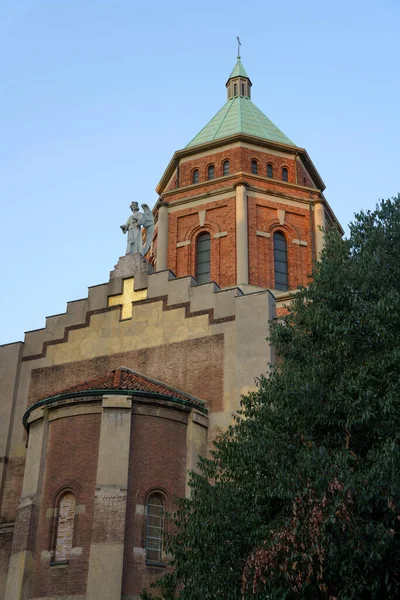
(126, 298)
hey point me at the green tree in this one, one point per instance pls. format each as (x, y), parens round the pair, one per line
(301, 496)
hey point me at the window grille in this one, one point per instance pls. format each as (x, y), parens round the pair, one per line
(284, 174)
(203, 245)
(225, 167)
(270, 170)
(280, 262)
(210, 172)
(154, 528)
(195, 176)
(254, 167)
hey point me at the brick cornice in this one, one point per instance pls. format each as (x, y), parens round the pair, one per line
(209, 146)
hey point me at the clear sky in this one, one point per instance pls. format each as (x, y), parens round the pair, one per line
(96, 95)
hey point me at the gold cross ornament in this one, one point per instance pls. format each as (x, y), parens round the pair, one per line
(126, 298)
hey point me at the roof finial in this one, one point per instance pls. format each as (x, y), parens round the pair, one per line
(239, 44)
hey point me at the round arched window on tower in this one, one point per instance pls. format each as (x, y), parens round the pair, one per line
(280, 262)
(154, 528)
(203, 247)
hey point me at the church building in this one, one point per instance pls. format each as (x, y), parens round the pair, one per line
(105, 410)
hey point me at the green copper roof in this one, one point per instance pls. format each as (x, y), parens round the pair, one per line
(240, 115)
(239, 70)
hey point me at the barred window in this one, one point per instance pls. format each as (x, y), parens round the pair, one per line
(154, 528)
(270, 170)
(285, 174)
(254, 167)
(225, 167)
(280, 262)
(195, 176)
(65, 527)
(210, 172)
(203, 245)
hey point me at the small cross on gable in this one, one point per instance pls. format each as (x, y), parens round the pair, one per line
(127, 297)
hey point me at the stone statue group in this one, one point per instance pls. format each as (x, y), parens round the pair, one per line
(133, 226)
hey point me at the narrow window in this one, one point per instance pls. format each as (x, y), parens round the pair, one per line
(280, 261)
(235, 89)
(65, 527)
(225, 167)
(203, 258)
(195, 176)
(154, 528)
(254, 167)
(242, 89)
(210, 172)
(270, 170)
(284, 174)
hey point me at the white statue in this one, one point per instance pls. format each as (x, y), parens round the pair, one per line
(133, 227)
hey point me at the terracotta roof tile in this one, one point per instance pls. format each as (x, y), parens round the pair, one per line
(126, 379)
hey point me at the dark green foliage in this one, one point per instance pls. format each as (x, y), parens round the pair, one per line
(301, 497)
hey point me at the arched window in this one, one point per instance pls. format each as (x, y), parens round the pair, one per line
(285, 174)
(225, 167)
(203, 244)
(280, 261)
(65, 527)
(154, 528)
(210, 172)
(195, 176)
(254, 167)
(270, 170)
(235, 89)
(242, 89)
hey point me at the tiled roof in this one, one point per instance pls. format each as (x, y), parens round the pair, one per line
(239, 70)
(126, 379)
(239, 115)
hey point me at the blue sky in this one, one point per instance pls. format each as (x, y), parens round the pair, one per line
(96, 95)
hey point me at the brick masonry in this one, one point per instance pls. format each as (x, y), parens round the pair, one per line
(71, 464)
(158, 462)
(194, 366)
(265, 197)
(206, 362)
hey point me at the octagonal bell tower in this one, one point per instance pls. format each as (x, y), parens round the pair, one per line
(241, 204)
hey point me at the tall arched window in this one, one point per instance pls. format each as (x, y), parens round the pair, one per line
(154, 528)
(285, 174)
(270, 170)
(225, 167)
(254, 167)
(203, 244)
(65, 527)
(210, 172)
(280, 261)
(195, 176)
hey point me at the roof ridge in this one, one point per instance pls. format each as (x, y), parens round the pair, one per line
(256, 116)
(208, 123)
(223, 119)
(250, 120)
(125, 379)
